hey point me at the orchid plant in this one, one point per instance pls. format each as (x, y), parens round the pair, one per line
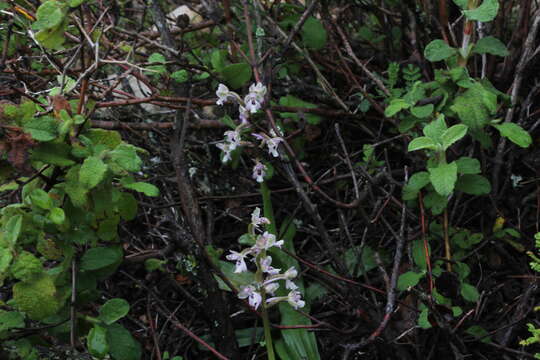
(261, 293)
(251, 104)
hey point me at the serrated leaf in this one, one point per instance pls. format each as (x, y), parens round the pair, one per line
(469, 292)
(42, 128)
(416, 183)
(92, 172)
(473, 184)
(98, 258)
(438, 50)
(314, 34)
(435, 129)
(467, 165)
(408, 279)
(422, 111)
(491, 45)
(453, 134)
(514, 133)
(443, 178)
(97, 342)
(113, 310)
(475, 106)
(11, 320)
(395, 106)
(53, 154)
(49, 15)
(125, 156)
(486, 12)
(422, 142)
(109, 138)
(237, 75)
(122, 346)
(147, 189)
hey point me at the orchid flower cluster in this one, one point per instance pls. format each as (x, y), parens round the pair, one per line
(267, 277)
(251, 103)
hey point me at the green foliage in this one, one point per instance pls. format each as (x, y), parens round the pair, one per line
(485, 12)
(38, 298)
(113, 310)
(438, 50)
(491, 45)
(26, 266)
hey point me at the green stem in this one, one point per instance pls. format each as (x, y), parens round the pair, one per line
(267, 332)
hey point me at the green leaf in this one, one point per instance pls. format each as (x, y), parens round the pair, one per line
(473, 184)
(54, 37)
(125, 156)
(463, 270)
(92, 172)
(122, 345)
(180, 76)
(467, 165)
(469, 292)
(127, 206)
(97, 342)
(26, 266)
(37, 298)
(395, 106)
(217, 59)
(435, 129)
(108, 228)
(237, 75)
(438, 50)
(461, 3)
(293, 101)
(12, 230)
(423, 320)
(475, 106)
(314, 34)
(49, 15)
(5, 260)
(435, 202)
(99, 257)
(57, 216)
(485, 12)
(514, 133)
(41, 199)
(75, 3)
(422, 142)
(453, 134)
(443, 178)
(113, 310)
(42, 128)
(479, 332)
(416, 182)
(53, 154)
(109, 138)
(422, 111)
(491, 45)
(408, 279)
(147, 189)
(11, 320)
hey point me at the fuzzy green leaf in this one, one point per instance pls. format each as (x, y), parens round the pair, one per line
(435, 129)
(180, 76)
(467, 165)
(422, 142)
(53, 154)
(147, 189)
(491, 45)
(475, 106)
(422, 111)
(515, 133)
(49, 15)
(41, 199)
(113, 310)
(438, 50)
(473, 184)
(443, 178)
(396, 105)
(486, 12)
(125, 156)
(416, 183)
(42, 128)
(37, 298)
(57, 216)
(92, 172)
(453, 134)
(12, 230)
